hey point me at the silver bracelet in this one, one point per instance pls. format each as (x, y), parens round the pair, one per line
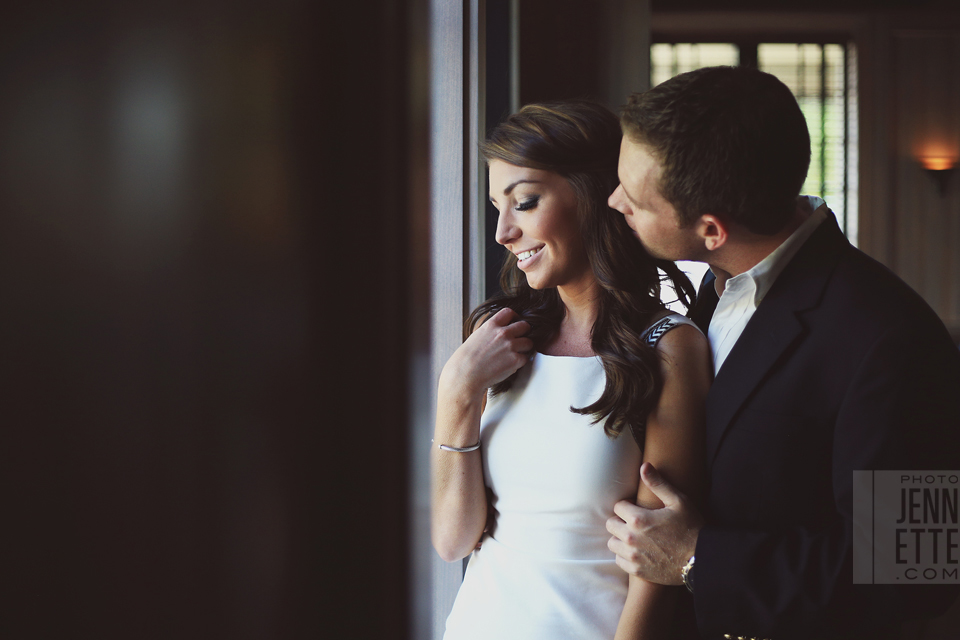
(459, 449)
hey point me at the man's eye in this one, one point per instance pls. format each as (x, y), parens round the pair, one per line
(528, 204)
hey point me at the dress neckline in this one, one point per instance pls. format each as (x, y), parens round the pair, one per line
(547, 355)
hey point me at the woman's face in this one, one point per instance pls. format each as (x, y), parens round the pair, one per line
(538, 224)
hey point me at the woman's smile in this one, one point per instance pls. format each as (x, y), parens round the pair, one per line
(526, 258)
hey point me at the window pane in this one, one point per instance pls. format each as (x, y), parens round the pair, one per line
(668, 60)
(820, 77)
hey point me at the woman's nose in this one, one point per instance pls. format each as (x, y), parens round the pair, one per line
(507, 230)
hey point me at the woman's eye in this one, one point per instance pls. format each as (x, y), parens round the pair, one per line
(528, 204)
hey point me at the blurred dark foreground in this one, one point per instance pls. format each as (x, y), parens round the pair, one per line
(205, 246)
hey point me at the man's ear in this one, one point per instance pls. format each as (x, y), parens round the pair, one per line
(713, 231)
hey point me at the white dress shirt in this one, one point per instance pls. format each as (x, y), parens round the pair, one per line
(743, 293)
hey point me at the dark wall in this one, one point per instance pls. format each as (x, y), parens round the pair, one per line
(203, 281)
(799, 5)
(564, 44)
(561, 45)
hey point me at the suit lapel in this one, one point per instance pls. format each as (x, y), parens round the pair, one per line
(773, 329)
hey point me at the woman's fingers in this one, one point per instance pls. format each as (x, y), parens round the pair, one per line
(503, 317)
(496, 349)
(518, 328)
(523, 345)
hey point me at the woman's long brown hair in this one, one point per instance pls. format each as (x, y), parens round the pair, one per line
(580, 141)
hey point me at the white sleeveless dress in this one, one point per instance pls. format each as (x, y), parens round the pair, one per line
(546, 573)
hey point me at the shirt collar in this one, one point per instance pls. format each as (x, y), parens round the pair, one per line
(765, 272)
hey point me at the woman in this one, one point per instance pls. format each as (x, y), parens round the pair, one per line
(571, 343)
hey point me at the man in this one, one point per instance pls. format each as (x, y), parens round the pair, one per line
(825, 363)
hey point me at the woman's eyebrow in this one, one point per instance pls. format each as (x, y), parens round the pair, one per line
(507, 191)
(510, 187)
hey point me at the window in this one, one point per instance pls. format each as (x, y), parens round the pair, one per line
(668, 60)
(823, 78)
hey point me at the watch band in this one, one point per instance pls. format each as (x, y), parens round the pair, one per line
(686, 574)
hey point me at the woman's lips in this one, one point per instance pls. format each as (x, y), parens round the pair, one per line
(525, 262)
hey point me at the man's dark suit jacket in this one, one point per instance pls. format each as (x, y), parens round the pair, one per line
(843, 367)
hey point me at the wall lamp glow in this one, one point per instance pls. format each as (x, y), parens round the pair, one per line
(939, 168)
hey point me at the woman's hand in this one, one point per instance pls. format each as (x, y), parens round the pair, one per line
(492, 353)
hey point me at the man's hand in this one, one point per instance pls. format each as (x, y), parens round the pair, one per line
(654, 544)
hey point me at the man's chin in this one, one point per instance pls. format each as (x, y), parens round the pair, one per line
(654, 253)
(675, 254)
(643, 244)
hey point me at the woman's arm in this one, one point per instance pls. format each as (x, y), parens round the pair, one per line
(458, 498)
(674, 443)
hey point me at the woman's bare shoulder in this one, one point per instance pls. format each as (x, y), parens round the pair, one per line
(685, 344)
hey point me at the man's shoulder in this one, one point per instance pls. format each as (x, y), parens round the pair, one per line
(866, 307)
(869, 291)
(842, 292)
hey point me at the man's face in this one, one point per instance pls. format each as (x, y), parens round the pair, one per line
(653, 220)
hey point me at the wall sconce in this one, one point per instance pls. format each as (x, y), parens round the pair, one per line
(939, 168)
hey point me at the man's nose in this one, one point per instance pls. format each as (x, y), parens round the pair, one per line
(616, 200)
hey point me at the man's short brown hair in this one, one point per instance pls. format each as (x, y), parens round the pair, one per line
(731, 141)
